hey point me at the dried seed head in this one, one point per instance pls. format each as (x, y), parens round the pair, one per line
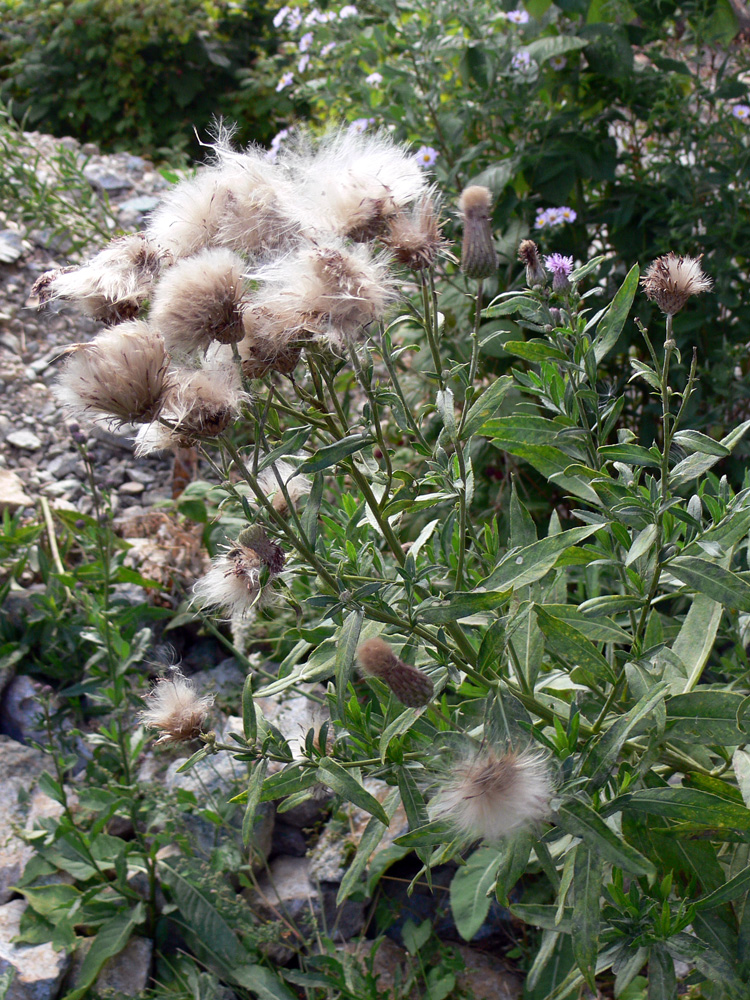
(414, 237)
(412, 687)
(478, 254)
(296, 484)
(175, 710)
(351, 184)
(234, 581)
(112, 285)
(202, 402)
(670, 281)
(528, 254)
(122, 373)
(199, 300)
(491, 795)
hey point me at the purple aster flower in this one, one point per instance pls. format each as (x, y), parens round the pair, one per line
(426, 156)
(280, 17)
(741, 111)
(517, 17)
(303, 63)
(348, 11)
(327, 49)
(285, 81)
(567, 214)
(295, 19)
(306, 41)
(360, 125)
(374, 79)
(560, 268)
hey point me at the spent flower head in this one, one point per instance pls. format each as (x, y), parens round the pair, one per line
(670, 280)
(490, 795)
(528, 254)
(478, 254)
(175, 710)
(412, 687)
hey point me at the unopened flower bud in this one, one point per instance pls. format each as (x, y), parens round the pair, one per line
(478, 254)
(528, 254)
(412, 688)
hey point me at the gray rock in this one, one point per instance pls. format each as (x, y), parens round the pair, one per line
(213, 781)
(11, 491)
(11, 246)
(287, 893)
(106, 180)
(20, 710)
(126, 972)
(25, 440)
(227, 678)
(139, 205)
(39, 969)
(21, 804)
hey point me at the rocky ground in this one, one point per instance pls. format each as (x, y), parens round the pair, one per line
(302, 853)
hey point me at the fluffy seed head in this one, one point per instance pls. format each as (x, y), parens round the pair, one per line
(112, 285)
(490, 795)
(122, 373)
(670, 281)
(353, 182)
(234, 581)
(528, 254)
(200, 300)
(478, 254)
(202, 402)
(175, 710)
(414, 237)
(412, 688)
(296, 483)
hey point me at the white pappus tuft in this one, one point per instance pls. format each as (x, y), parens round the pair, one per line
(175, 710)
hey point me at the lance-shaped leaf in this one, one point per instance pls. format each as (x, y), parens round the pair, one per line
(580, 820)
(612, 322)
(343, 782)
(714, 581)
(471, 888)
(530, 563)
(572, 645)
(587, 888)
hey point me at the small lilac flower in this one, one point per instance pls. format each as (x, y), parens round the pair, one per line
(554, 217)
(313, 17)
(517, 17)
(303, 63)
(360, 125)
(426, 156)
(374, 79)
(741, 111)
(306, 41)
(567, 214)
(327, 49)
(295, 19)
(521, 60)
(280, 16)
(330, 15)
(285, 81)
(560, 268)
(558, 62)
(542, 218)
(276, 143)
(348, 11)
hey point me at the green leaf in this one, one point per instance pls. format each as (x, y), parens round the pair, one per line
(112, 937)
(602, 757)
(641, 544)
(695, 441)
(587, 887)
(572, 645)
(343, 782)
(471, 888)
(462, 606)
(580, 820)
(331, 454)
(413, 800)
(534, 350)
(346, 651)
(51, 901)
(309, 517)
(493, 644)
(694, 642)
(709, 578)
(254, 791)
(370, 839)
(662, 982)
(542, 49)
(630, 454)
(400, 724)
(497, 176)
(735, 887)
(612, 322)
(520, 567)
(249, 719)
(192, 761)
(705, 717)
(690, 805)
(263, 983)
(597, 628)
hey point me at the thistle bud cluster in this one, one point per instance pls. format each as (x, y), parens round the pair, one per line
(412, 687)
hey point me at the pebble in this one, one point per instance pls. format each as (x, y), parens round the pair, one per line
(132, 488)
(27, 440)
(11, 246)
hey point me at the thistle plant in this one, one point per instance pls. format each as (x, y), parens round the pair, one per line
(539, 688)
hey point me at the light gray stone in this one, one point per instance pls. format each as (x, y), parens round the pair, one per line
(106, 180)
(12, 493)
(39, 969)
(11, 246)
(21, 805)
(25, 440)
(139, 205)
(287, 893)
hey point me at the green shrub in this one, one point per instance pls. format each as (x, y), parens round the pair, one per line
(135, 74)
(634, 122)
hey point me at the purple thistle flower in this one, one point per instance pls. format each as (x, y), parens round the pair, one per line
(560, 268)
